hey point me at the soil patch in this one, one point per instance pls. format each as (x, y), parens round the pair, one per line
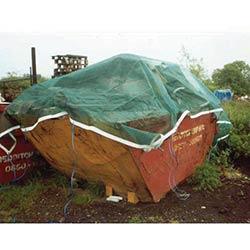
(229, 203)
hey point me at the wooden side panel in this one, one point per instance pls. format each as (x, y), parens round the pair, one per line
(96, 158)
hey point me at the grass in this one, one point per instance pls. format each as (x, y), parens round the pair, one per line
(96, 189)
(239, 141)
(58, 180)
(16, 199)
(20, 196)
(88, 193)
(173, 221)
(154, 219)
(206, 177)
(83, 198)
(140, 219)
(136, 219)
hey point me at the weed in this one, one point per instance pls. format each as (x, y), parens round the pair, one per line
(136, 219)
(150, 219)
(20, 198)
(206, 177)
(239, 140)
(81, 199)
(173, 221)
(221, 158)
(234, 174)
(87, 192)
(95, 188)
(154, 219)
(59, 180)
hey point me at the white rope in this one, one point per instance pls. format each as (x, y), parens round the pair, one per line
(9, 130)
(110, 136)
(154, 144)
(226, 122)
(43, 118)
(3, 101)
(180, 88)
(222, 138)
(9, 151)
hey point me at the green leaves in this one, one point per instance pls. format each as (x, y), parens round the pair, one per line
(235, 76)
(239, 139)
(196, 66)
(206, 177)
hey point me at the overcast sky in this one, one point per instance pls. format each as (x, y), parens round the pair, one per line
(216, 49)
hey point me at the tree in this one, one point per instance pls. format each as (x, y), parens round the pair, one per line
(235, 75)
(196, 66)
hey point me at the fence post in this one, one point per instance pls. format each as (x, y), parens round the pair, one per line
(33, 60)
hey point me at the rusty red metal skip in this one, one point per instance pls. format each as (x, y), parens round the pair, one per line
(15, 164)
(162, 169)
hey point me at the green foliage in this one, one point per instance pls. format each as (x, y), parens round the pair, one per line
(141, 219)
(206, 177)
(83, 198)
(136, 219)
(59, 180)
(239, 140)
(12, 85)
(154, 219)
(88, 192)
(96, 189)
(19, 197)
(212, 85)
(238, 143)
(221, 157)
(235, 75)
(196, 66)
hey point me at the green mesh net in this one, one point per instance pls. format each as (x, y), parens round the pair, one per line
(129, 97)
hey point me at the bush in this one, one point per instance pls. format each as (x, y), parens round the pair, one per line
(221, 158)
(238, 142)
(206, 177)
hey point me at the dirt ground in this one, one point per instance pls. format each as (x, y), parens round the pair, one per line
(230, 203)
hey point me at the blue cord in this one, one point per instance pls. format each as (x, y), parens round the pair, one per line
(71, 193)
